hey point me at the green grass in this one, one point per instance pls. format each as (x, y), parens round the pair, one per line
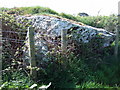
(93, 71)
(16, 79)
(96, 21)
(94, 85)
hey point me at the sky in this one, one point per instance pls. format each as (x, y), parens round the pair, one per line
(91, 7)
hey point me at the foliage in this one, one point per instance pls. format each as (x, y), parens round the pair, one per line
(11, 29)
(16, 79)
(81, 63)
(63, 71)
(108, 74)
(107, 22)
(68, 16)
(93, 85)
(11, 51)
(111, 23)
(29, 10)
(82, 66)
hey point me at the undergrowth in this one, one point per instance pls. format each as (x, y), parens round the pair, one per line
(84, 67)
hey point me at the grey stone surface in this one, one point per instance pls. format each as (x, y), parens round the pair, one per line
(52, 26)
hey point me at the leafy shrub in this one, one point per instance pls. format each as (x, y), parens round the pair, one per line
(95, 21)
(111, 24)
(16, 79)
(63, 70)
(11, 31)
(29, 10)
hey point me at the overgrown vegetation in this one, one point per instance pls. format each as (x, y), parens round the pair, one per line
(82, 66)
(97, 21)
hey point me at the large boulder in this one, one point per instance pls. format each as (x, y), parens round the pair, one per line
(48, 28)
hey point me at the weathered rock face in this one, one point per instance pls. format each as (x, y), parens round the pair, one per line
(51, 27)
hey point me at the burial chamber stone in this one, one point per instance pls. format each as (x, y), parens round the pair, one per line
(50, 26)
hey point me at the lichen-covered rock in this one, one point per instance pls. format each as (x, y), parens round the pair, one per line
(50, 27)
